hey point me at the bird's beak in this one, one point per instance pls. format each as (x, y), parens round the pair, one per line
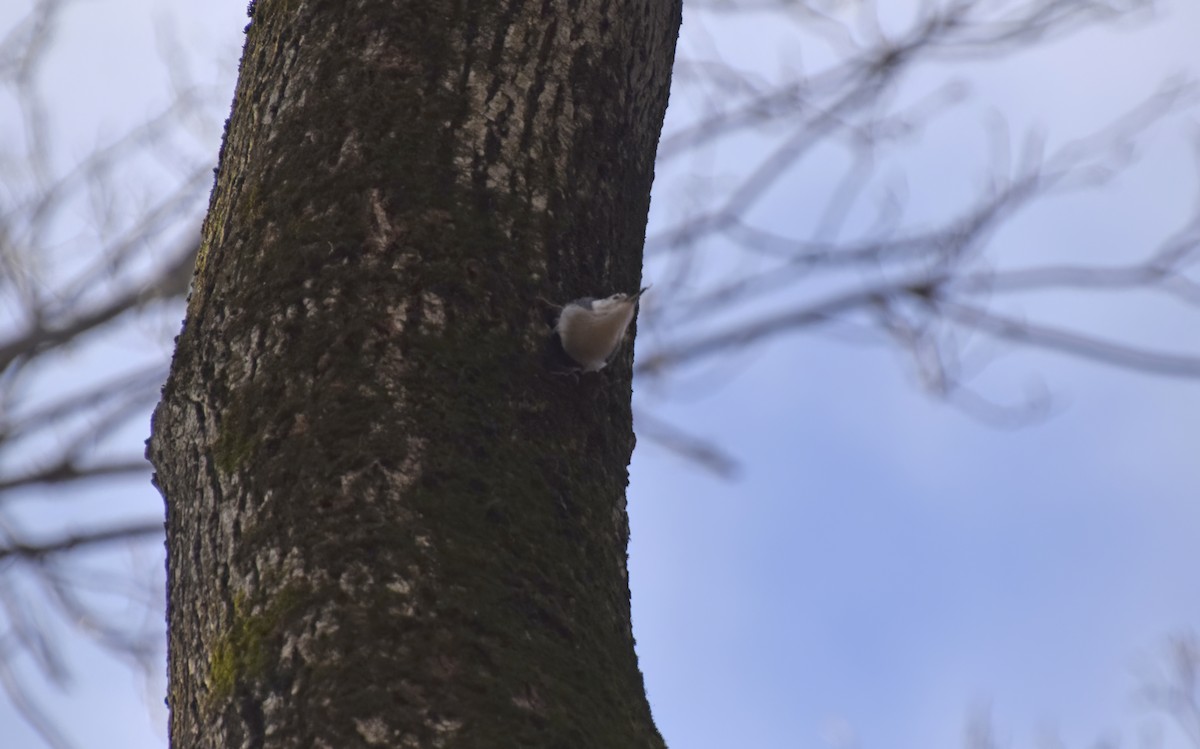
(642, 291)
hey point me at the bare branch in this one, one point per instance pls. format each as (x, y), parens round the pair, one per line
(1078, 344)
(744, 334)
(129, 390)
(44, 337)
(29, 710)
(41, 549)
(704, 453)
(67, 471)
(1174, 685)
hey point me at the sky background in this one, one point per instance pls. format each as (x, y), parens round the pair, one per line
(883, 565)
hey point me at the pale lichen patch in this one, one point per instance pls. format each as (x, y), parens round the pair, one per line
(382, 234)
(306, 643)
(529, 699)
(377, 45)
(403, 588)
(539, 202)
(374, 731)
(273, 705)
(355, 580)
(350, 151)
(410, 468)
(433, 312)
(397, 315)
(445, 728)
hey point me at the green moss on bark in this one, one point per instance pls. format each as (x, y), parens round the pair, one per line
(236, 439)
(245, 650)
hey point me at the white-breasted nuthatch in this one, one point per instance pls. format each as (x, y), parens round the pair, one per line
(590, 330)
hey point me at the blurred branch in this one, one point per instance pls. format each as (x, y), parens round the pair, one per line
(42, 336)
(18, 696)
(67, 471)
(925, 287)
(1175, 688)
(33, 551)
(90, 247)
(1077, 344)
(744, 334)
(704, 453)
(128, 390)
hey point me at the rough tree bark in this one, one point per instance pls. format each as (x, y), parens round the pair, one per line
(387, 523)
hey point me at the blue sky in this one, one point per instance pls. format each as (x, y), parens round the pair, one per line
(884, 564)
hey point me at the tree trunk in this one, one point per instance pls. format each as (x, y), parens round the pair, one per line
(388, 523)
